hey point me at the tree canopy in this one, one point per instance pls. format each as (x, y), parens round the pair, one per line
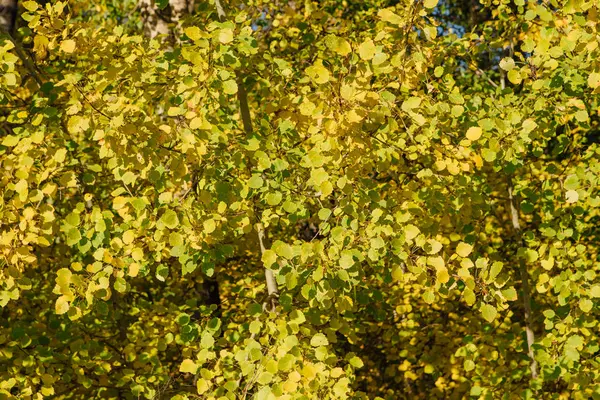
(299, 200)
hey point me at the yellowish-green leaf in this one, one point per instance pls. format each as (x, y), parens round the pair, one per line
(319, 340)
(489, 312)
(193, 32)
(411, 103)
(586, 305)
(514, 76)
(388, 16)
(367, 50)
(209, 226)
(464, 249)
(318, 73)
(226, 35)
(411, 231)
(507, 63)
(594, 80)
(188, 366)
(230, 86)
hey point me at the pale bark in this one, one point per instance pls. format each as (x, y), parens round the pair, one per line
(247, 122)
(514, 213)
(8, 15)
(269, 276)
(157, 22)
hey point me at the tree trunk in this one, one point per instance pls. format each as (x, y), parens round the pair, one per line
(514, 214)
(156, 21)
(8, 15)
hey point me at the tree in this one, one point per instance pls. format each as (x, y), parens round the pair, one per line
(156, 16)
(446, 161)
(8, 14)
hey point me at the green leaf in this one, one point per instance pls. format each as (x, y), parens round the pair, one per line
(162, 4)
(510, 294)
(286, 362)
(356, 362)
(73, 237)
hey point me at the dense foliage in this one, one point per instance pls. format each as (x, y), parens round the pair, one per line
(300, 200)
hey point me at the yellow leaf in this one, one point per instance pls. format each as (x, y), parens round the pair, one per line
(209, 226)
(133, 269)
(128, 236)
(367, 50)
(594, 80)
(430, 3)
(318, 73)
(507, 63)
(68, 46)
(226, 36)
(442, 275)
(338, 45)
(188, 366)
(202, 386)
(137, 254)
(10, 141)
(477, 160)
(196, 123)
(30, 5)
(572, 196)
(436, 262)
(193, 32)
(473, 133)
(62, 305)
(464, 249)
(230, 87)
(411, 231)
(388, 16)
(514, 76)
(352, 116)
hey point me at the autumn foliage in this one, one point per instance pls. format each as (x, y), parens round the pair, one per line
(300, 200)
